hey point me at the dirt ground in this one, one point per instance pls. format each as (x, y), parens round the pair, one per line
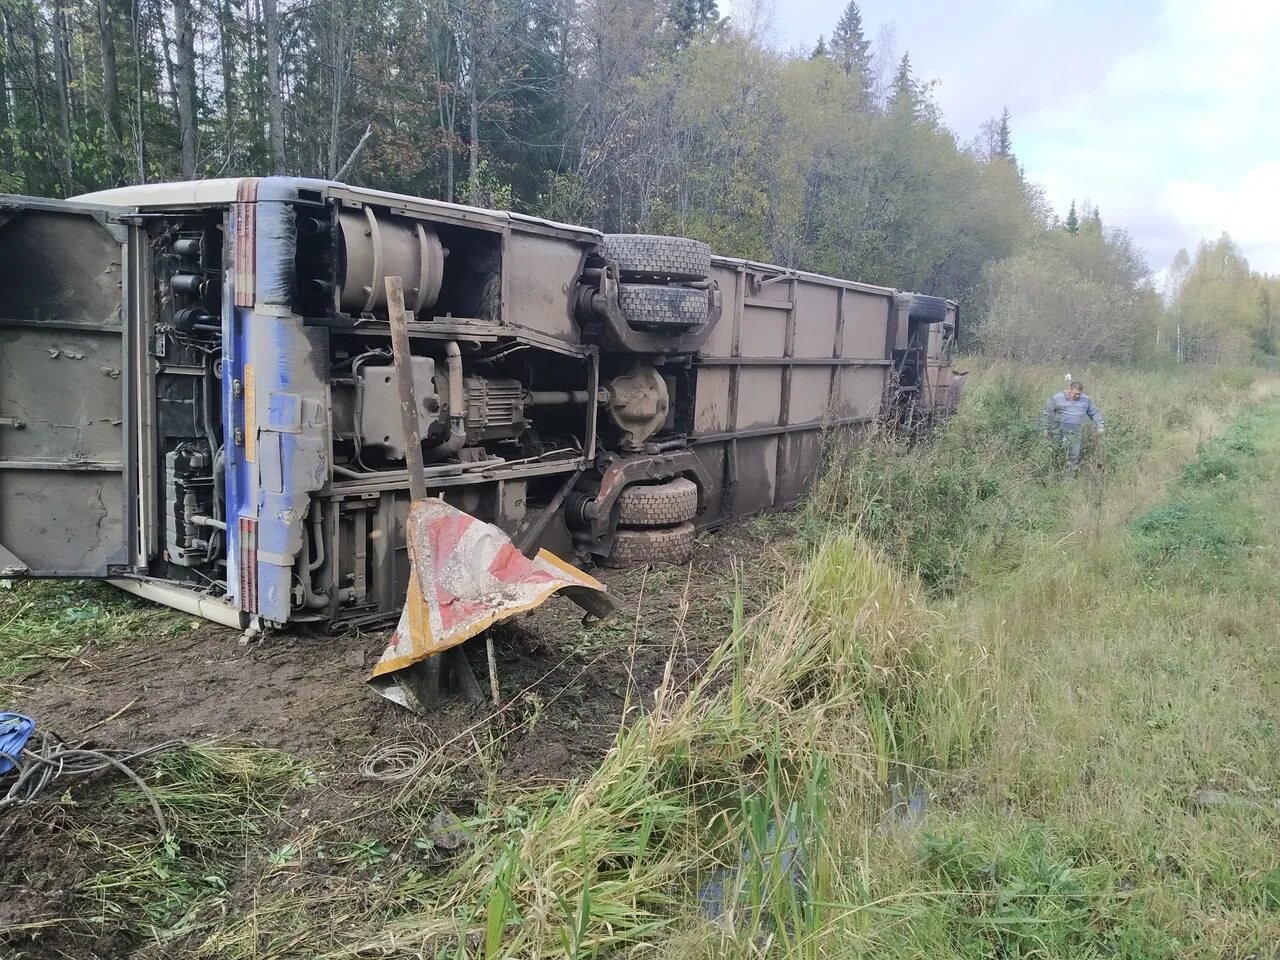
(564, 689)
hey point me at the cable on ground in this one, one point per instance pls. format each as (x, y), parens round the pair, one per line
(394, 763)
(52, 759)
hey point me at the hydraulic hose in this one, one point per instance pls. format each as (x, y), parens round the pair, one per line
(306, 567)
(317, 538)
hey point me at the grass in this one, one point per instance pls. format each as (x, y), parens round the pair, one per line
(701, 788)
(1137, 667)
(971, 723)
(958, 617)
(50, 621)
(216, 800)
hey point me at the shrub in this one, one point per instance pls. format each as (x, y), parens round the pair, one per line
(1210, 466)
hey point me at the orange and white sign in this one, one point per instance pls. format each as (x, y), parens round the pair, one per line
(467, 575)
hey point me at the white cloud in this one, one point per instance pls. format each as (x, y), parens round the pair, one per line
(1177, 139)
(1165, 113)
(1248, 209)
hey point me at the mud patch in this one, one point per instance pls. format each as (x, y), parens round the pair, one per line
(564, 690)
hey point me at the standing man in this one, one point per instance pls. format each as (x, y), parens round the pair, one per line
(1063, 418)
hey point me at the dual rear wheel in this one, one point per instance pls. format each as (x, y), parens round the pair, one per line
(663, 280)
(655, 523)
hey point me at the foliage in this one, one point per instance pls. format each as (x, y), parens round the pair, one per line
(1220, 311)
(851, 50)
(1022, 901)
(1069, 296)
(940, 506)
(649, 115)
(1210, 466)
(644, 114)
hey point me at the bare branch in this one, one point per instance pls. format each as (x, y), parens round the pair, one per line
(342, 170)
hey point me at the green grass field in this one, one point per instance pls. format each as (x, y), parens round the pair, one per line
(991, 713)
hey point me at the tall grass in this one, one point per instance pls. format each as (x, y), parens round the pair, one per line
(965, 726)
(962, 508)
(791, 728)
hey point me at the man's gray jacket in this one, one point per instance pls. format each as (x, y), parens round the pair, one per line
(1064, 415)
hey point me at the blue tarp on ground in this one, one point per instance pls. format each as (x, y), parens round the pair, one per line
(15, 729)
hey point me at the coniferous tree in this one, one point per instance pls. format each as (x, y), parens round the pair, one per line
(275, 97)
(693, 16)
(851, 49)
(184, 64)
(611, 113)
(905, 99)
(1004, 140)
(1073, 220)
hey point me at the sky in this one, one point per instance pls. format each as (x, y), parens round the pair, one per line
(1165, 114)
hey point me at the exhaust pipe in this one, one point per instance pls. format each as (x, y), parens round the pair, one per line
(457, 405)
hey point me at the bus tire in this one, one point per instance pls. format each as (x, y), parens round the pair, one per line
(646, 256)
(656, 545)
(650, 307)
(658, 504)
(927, 309)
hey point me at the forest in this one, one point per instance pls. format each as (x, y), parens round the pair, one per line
(659, 116)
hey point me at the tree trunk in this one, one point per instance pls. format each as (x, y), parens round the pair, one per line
(166, 45)
(111, 88)
(255, 119)
(77, 60)
(30, 77)
(473, 181)
(226, 32)
(139, 133)
(184, 69)
(275, 97)
(447, 109)
(340, 55)
(62, 83)
(37, 73)
(74, 83)
(5, 47)
(469, 56)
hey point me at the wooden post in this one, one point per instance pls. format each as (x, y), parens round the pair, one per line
(404, 384)
(425, 676)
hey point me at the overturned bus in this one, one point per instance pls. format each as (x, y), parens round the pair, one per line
(198, 403)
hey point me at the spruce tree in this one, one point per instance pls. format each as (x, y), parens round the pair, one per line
(820, 50)
(1004, 140)
(1073, 221)
(905, 97)
(694, 16)
(851, 49)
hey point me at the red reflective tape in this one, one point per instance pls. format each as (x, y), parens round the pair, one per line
(246, 273)
(248, 554)
(245, 218)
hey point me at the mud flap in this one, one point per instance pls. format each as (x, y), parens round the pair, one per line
(467, 575)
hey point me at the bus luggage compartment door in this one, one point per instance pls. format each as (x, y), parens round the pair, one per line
(66, 506)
